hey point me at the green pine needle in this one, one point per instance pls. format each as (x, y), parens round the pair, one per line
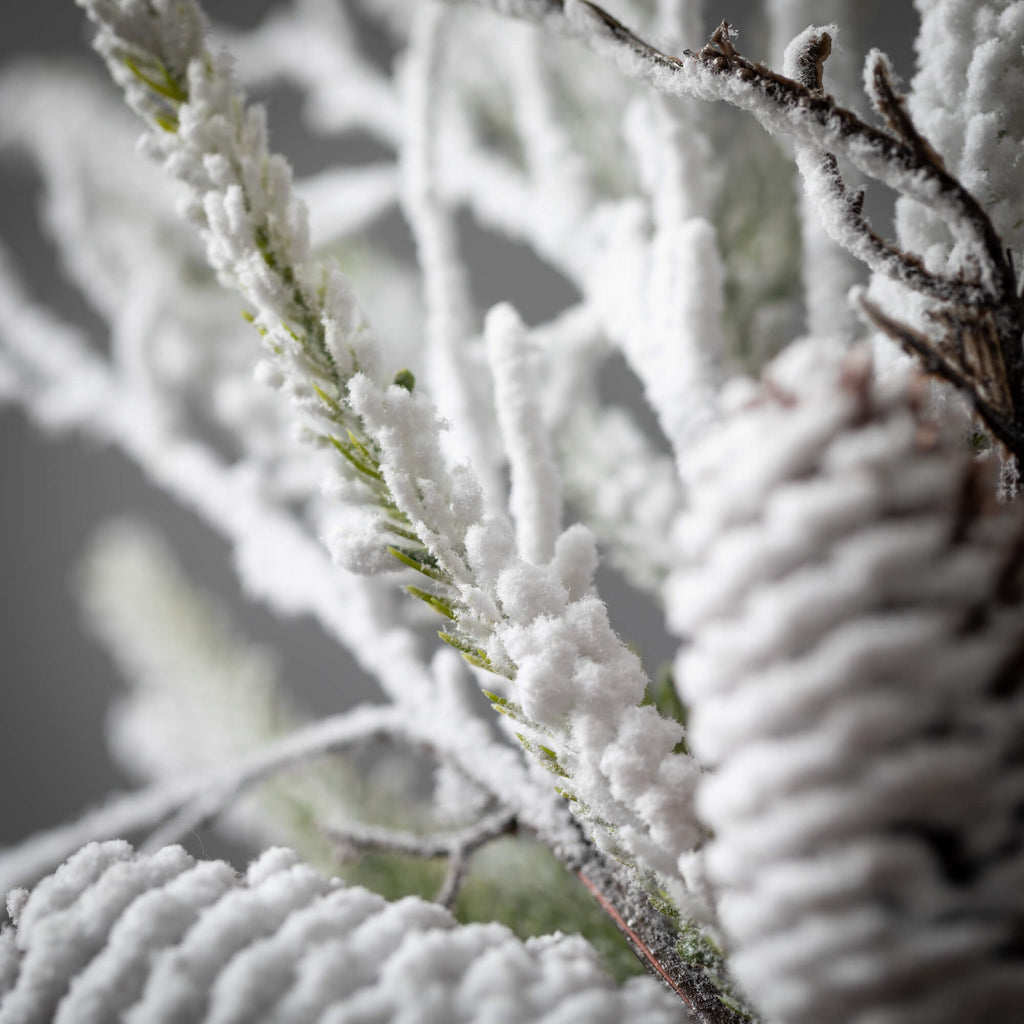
(168, 88)
(505, 706)
(437, 603)
(357, 463)
(412, 560)
(365, 452)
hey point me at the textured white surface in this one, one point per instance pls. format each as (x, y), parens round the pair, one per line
(118, 936)
(854, 681)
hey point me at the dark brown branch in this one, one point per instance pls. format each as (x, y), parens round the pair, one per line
(892, 107)
(861, 240)
(926, 351)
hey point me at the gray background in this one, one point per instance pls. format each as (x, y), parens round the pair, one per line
(56, 684)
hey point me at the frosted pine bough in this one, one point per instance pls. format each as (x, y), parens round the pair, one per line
(164, 938)
(847, 464)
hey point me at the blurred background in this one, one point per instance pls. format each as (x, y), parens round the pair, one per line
(56, 683)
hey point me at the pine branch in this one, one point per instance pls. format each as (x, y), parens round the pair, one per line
(115, 934)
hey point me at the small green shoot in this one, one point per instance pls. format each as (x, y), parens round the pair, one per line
(405, 379)
(547, 758)
(365, 452)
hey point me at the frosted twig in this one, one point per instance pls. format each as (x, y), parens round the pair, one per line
(195, 799)
(828, 270)
(338, 732)
(353, 838)
(655, 941)
(454, 878)
(841, 210)
(344, 91)
(453, 359)
(536, 491)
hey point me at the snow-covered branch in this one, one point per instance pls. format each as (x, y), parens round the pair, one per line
(985, 310)
(161, 938)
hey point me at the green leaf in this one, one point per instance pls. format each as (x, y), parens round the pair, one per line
(476, 656)
(327, 400)
(545, 756)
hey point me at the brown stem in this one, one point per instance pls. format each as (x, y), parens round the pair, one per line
(653, 938)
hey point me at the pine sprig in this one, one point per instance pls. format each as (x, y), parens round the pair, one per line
(628, 783)
(327, 358)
